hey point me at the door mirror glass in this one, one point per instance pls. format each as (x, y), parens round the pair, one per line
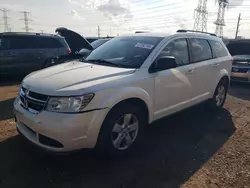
(164, 63)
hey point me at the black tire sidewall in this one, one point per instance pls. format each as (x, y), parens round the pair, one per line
(104, 144)
(225, 84)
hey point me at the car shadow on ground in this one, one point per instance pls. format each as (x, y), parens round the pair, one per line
(6, 109)
(240, 90)
(173, 149)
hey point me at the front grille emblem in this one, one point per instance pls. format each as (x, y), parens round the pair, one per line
(235, 69)
(25, 98)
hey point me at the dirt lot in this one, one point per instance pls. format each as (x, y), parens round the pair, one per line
(195, 148)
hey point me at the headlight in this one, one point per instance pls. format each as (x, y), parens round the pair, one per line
(69, 104)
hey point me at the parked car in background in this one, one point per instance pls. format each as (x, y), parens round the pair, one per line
(106, 100)
(22, 53)
(85, 52)
(240, 50)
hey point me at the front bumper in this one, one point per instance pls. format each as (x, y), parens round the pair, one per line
(240, 77)
(58, 132)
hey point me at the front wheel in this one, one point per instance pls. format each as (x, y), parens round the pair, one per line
(121, 130)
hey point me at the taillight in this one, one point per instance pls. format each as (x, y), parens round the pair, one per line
(68, 52)
(233, 60)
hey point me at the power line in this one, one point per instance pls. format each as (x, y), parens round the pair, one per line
(26, 21)
(5, 19)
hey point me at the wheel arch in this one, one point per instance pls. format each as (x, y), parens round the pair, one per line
(133, 96)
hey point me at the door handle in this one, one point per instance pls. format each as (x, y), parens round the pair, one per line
(216, 64)
(190, 71)
(40, 52)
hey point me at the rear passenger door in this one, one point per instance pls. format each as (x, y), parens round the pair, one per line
(203, 61)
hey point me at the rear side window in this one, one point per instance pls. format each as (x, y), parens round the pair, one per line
(4, 43)
(28, 42)
(217, 49)
(47, 42)
(201, 50)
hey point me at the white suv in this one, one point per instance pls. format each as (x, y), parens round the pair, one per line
(105, 100)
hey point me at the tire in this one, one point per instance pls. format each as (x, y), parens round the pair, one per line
(112, 128)
(220, 95)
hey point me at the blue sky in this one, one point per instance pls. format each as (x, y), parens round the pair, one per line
(121, 16)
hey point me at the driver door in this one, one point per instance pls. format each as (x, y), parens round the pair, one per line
(173, 87)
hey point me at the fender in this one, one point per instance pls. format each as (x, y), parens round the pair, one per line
(223, 72)
(122, 94)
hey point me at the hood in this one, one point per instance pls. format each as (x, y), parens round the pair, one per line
(242, 57)
(75, 41)
(239, 48)
(72, 78)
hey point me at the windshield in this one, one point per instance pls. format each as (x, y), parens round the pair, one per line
(239, 48)
(129, 52)
(98, 43)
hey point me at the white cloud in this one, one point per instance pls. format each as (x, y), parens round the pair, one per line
(75, 15)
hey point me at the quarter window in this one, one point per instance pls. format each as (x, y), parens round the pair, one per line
(201, 50)
(179, 50)
(218, 49)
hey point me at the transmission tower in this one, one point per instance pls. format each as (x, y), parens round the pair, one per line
(26, 21)
(5, 19)
(200, 15)
(220, 22)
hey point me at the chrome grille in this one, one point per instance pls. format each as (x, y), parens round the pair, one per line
(31, 101)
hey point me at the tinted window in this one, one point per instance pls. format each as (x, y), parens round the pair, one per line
(200, 50)
(4, 43)
(179, 49)
(129, 51)
(47, 42)
(217, 49)
(28, 42)
(98, 43)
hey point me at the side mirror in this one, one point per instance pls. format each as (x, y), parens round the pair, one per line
(164, 63)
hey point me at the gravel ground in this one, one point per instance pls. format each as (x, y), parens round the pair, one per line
(194, 148)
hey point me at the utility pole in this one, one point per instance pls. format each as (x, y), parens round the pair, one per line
(5, 19)
(98, 31)
(200, 15)
(238, 25)
(26, 21)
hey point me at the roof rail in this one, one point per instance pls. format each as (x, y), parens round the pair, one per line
(141, 32)
(184, 30)
(27, 33)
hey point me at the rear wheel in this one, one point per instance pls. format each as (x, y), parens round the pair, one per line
(220, 94)
(121, 130)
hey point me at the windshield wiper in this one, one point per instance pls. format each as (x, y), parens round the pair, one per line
(105, 62)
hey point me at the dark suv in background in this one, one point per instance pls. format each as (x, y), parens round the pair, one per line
(27, 52)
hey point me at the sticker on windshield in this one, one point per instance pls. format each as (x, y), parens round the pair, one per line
(146, 46)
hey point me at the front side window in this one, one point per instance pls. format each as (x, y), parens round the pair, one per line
(128, 52)
(179, 50)
(218, 49)
(201, 50)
